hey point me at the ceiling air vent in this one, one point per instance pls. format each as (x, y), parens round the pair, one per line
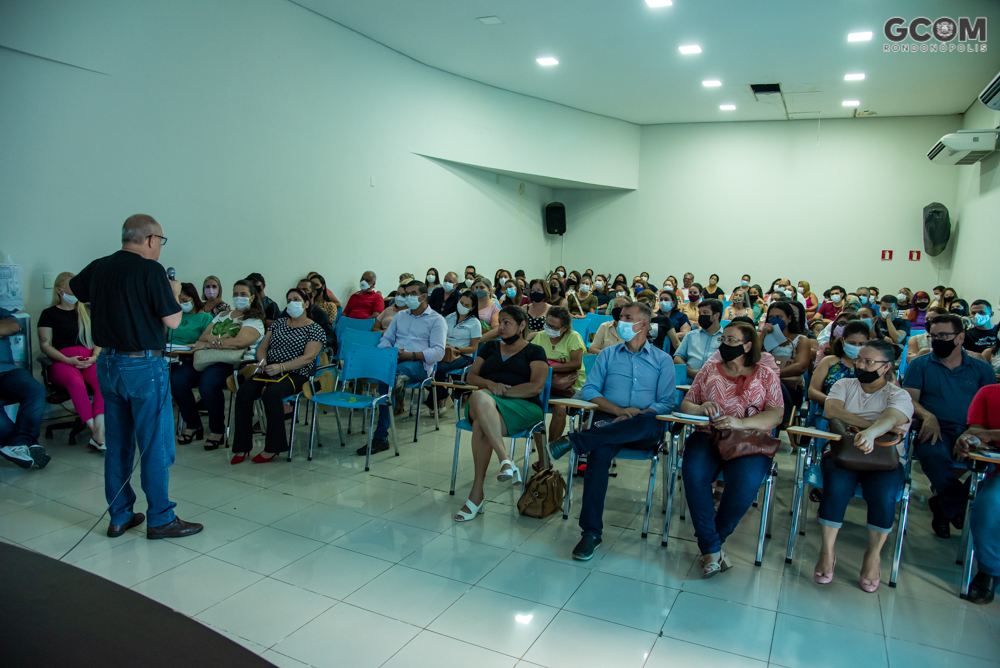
(766, 89)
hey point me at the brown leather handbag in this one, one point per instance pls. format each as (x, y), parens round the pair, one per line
(733, 443)
(562, 383)
(884, 457)
(543, 494)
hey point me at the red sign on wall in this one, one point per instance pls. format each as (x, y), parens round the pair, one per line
(887, 255)
(914, 256)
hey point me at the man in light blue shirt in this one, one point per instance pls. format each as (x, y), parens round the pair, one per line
(420, 334)
(699, 345)
(19, 440)
(631, 383)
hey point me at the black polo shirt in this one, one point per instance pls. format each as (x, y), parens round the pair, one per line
(444, 306)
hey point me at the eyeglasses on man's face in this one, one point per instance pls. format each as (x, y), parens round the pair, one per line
(942, 336)
(163, 240)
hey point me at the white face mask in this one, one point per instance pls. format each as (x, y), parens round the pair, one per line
(902, 297)
(835, 299)
(462, 310)
(668, 286)
(400, 301)
(241, 303)
(666, 306)
(186, 307)
(598, 284)
(469, 282)
(802, 290)
(584, 289)
(364, 285)
(789, 293)
(413, 302)
(552, 333)
(295, 309)
(562, 274)
(448, 286)
(430, 278)
(71, 300)
(622, 293)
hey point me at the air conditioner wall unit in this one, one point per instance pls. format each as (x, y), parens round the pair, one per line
(965, 147)
(991, 94)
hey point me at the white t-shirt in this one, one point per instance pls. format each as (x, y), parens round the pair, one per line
(870, 406)
(227, 322)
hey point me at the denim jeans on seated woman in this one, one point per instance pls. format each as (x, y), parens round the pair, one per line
(210, 383)
(743, 475)
(879, 489)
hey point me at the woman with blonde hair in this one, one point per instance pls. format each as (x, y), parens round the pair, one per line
(211, 292)
(64, 335)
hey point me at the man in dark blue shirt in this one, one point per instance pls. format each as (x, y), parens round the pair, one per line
(942, 385)
(19, 440)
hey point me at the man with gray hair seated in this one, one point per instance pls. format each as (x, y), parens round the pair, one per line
(631, 383)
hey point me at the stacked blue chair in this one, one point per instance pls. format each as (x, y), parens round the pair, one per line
(582, 327)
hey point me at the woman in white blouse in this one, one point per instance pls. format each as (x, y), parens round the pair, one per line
(464, 333)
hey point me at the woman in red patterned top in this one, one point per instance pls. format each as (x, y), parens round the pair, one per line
(736, 393)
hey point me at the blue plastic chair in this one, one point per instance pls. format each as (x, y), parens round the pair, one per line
(526, 434)
(582, 327)
(345, 323)
(588, 363)
(351, 336)
(809, 472)
(360, 363)
(420, 386)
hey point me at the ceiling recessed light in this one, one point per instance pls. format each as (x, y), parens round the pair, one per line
(693, 48)
(490, 20)
(854, 77)
(547, 61)
(711, 83)
(859, 36)
(659, 3)
(851, 103)
(727, 107)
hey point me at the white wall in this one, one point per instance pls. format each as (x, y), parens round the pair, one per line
(267, 138)
(975, 273)
(798, 199)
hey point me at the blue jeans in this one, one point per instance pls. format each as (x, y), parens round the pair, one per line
(18, 387)
(601, 445)
(939, 467)
(442, 375)
(414, 372)
(879, 489)
(210, 384)
(137, 408)
(985, 527)
(743, 475)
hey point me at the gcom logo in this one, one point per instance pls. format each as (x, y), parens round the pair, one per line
(970, 33)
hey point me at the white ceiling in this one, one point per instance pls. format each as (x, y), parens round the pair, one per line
(619, 58)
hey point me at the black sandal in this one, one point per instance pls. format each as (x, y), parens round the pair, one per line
(213, 443)
(196, 435)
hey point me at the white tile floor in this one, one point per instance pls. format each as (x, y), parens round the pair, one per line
(321, 564)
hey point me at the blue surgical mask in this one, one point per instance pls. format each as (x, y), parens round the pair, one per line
(400, 300)
(295, 309)
(413, 302)
(625, 331)
(745, 283)
(241, 303)
(187, 307)
(982, 319)
(511, 292)
(480, 293)
(867, 321)
(666, 306)
(864, 299)
(448, 286)
(852, 351)
(585, 289)
(778, 323)
(552, 333)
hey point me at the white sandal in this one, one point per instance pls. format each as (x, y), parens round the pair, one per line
(508, 474)
(710, 566)
(462, 516)
(94, 445)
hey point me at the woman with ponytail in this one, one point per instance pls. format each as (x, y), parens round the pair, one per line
(64, 335)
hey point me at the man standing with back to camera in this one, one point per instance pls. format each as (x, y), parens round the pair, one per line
(132, 303)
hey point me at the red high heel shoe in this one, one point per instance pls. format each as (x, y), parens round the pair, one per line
(238, 458)
(259, 458)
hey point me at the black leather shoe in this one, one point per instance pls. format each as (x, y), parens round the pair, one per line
(981, 588)
(958, 521)
(938, 521)
(378, 445)
(116, 530)
(584, 550)
(176, 529)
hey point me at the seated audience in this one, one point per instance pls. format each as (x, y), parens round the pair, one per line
(564, 350)
(984, 427)
(792, 354)
(699, 345)
(864, 297)
(744, 285)
(809, 299)
(631, 382)
(445, 297)
(917, 315)
(948, 297)
(981, 332)
(538, 306)
(64, 336)
(668, 305)
(329, 293)
(511, 294)
(317, 315)
(838, 363)
(557, 291)
(433, 280)
(510, 374)
(736, 393)
(942, 386)
(690, 308)
(288, 357)
(713, 291)
(755, 296)
(464, 333)
(920, 343)
(937, 292)
(582, 301)
(397, 304)
(877, 406)
(500, 281)
(271, 309)
(365, 303)
(992, 357)
(888, 326)
(601, 290)
(607, 333)
(662, 329)
(831, 309)
(620, 291)
(561, 272)
(873, 294)
(211, 291)
(194, 320)
(320, 299)
(404, 278)
(687, 282)
(19, 440)
(470, 277)
(486, 306)
(904, 299)
(233, 330)
(740, 306)
(420, 334)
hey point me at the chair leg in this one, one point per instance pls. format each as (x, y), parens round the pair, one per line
(437, 421)
(368, 455)
(336, 414)
(350, 414)
(900, 533)
(569, 483)
(229, 422)
(970, 548)
(649, 494)
(804, 515)
(669, 485)
(454, 463)
(763, 518)
(312, 433)
(392, 428)
(797, 494)
(527, 461)
(416, 423)
(291, 431)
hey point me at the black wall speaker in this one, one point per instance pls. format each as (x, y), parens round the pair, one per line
(937, 228)
(555, 218)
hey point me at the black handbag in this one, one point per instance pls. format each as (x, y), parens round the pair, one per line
(884, 457)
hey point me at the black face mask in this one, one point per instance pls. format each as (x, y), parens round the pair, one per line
(511, 340)
(922, 305)
(616, 313)
(729, 353)
(866, 376)
(942, 348)
(537, 296)
(704, 321)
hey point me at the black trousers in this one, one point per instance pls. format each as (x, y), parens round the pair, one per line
(272, 395)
